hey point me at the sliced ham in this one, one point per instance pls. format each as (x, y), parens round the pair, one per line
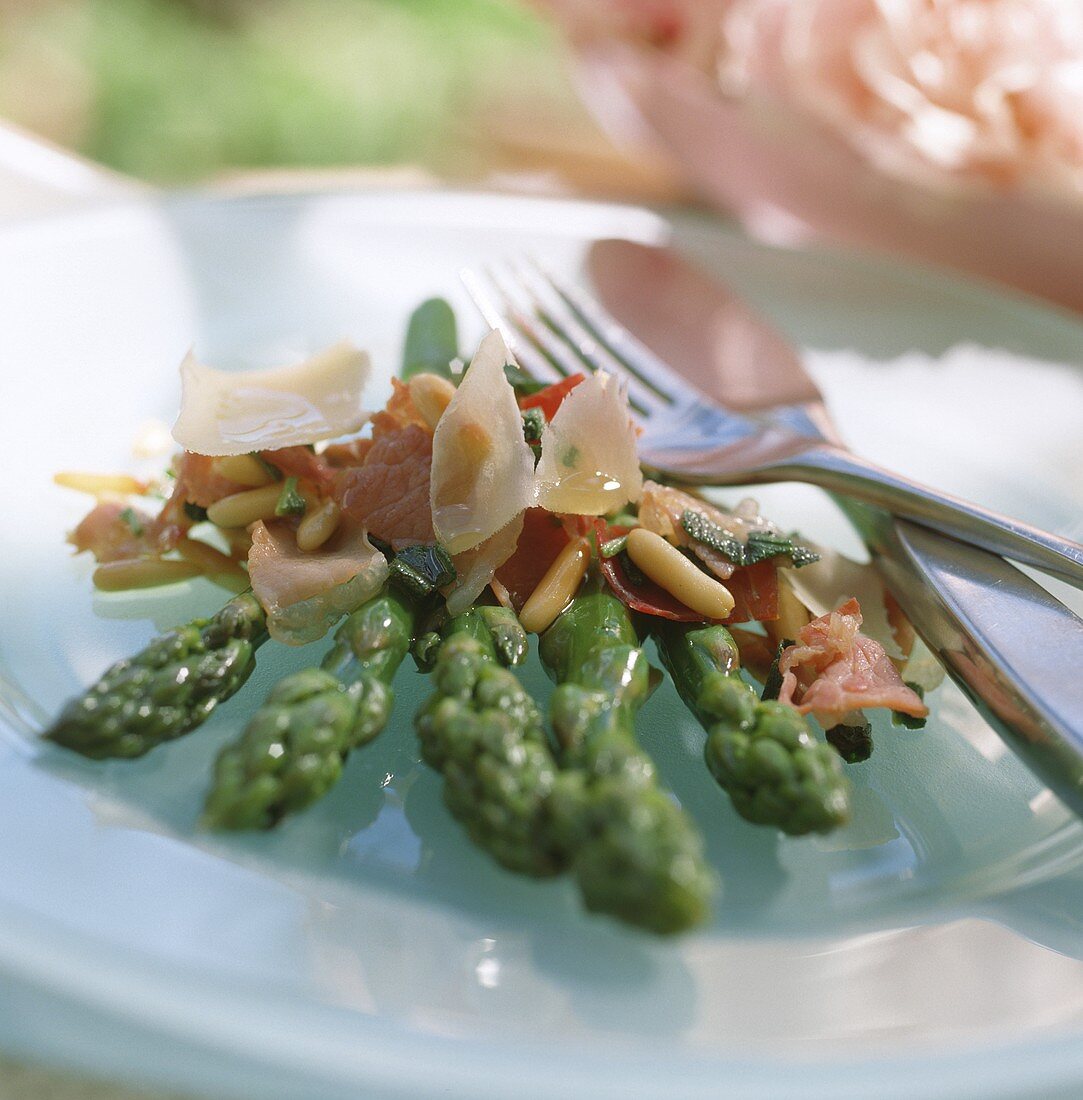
(352, 453)
(834, 669)
(305, 593)
(400, 412)
(389, 491)
(110, 538)
(199, 482)
(542, 539)
(303, 464)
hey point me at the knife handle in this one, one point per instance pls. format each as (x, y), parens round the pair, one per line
(1014, 649)
(837, 470)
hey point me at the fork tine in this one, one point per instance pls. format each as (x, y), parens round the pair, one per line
(531, 327)
(618, 341)
(552, 312)
(532, 361)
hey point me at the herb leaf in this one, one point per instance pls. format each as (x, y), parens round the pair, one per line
(613, 547)
(135, 524)
(908, 721)
(290, 501)
(632, 573)
(773, 684)
(523, 383)
(194, 512)
(423, 568)
(533, 425)
(852, 743)
(760, 545)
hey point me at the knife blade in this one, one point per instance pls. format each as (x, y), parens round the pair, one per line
(1009, 645)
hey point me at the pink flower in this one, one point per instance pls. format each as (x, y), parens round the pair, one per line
(926, 90)
(690, 29)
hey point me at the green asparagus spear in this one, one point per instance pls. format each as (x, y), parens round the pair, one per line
(633, 851)
(294, 747)
(432, 340)
(760, 752)
(168, 688)
(484, 734)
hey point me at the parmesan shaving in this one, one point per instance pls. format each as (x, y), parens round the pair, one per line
(477, 567)
(233, 413)
(482, 467)
(922, 668)
(589, 465)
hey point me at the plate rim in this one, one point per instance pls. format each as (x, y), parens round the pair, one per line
(926, 1073)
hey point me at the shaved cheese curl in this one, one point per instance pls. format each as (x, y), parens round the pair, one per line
(482, 467)
(478, 566)
(589, 465)
(236, 412)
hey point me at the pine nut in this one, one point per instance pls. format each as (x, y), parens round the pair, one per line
(100, 484)
(240, 542)
(241, 509)
(244, 470)
(431, 395)
(119, 576)
(318, 525)
(670, 569)
(556, 589)
(215, 565)
(792, 613)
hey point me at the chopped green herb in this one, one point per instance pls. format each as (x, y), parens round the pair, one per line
(773, 684)
(425, 649)
(533, 425)
(760, 545)
(270, 467)
(908, 721)
(423, 568)
(385, 548)
(632, 573)
(523, 384)
(569, 457)
(135, 524)
(623, 519)
(852, 743)
(697, 526)
(803, 555)
(290, 501)
(194, 512)
(613, 547)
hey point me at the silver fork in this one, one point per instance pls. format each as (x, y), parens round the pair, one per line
(1009, 644)
(688, 438)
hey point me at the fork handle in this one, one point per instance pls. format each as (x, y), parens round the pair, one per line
(841, 472)
(1012, 648)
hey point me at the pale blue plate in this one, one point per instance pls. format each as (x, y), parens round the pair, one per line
(933, 948)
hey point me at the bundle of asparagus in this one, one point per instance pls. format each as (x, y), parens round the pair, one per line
(579, 798)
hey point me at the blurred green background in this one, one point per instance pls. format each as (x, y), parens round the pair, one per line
(178, 90)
